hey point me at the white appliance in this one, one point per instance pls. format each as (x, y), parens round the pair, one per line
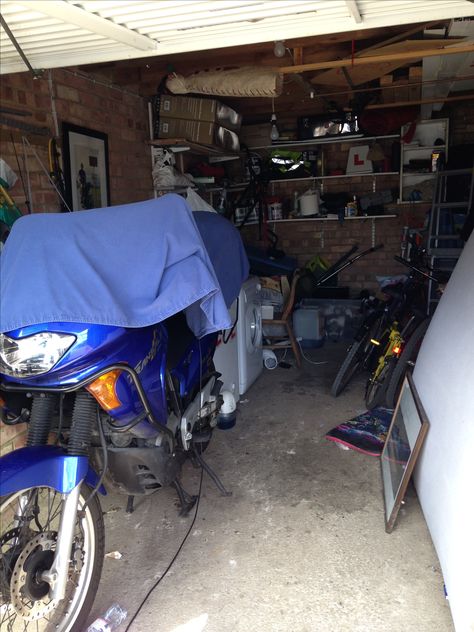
(249, 333)
(226, 358)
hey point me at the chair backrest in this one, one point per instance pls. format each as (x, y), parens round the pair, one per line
(291, 297)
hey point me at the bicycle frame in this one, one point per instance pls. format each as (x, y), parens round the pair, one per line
(393, 348)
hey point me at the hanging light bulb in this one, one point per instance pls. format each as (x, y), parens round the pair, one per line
(274, 133)
(279, 50)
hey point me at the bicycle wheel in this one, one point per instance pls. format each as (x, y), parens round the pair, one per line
(377, 386)
(408, 355)
(352, 363)
(359, 357)
(29, 523)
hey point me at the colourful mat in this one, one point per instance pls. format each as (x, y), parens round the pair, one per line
(365, 433)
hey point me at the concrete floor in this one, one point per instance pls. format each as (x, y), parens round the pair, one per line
(299, 547)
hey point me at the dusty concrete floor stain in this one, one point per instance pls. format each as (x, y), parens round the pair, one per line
(299, 547)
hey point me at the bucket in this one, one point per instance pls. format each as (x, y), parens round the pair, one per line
(309, 203)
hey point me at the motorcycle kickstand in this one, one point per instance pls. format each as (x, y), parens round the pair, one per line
(186, 501)
(207, 468)
(130, 508)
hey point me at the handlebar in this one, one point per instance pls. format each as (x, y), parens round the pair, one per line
(414, 268)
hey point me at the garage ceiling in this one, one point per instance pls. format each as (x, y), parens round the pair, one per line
(60, 33)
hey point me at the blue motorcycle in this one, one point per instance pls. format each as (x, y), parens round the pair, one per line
(109, 321)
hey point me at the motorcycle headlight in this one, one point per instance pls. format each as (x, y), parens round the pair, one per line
(33, 355)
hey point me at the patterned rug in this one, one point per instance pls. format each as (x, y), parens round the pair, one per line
(365, 433)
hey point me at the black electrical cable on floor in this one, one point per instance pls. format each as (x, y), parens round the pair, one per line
(145, 598)
(173, 560)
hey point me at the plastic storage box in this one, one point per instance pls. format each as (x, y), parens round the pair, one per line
(308, 324)
(340, 318)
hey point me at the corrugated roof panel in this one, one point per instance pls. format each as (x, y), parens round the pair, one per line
(230, 16)
(87, 31)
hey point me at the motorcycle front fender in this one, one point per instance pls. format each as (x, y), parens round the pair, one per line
(44, 466)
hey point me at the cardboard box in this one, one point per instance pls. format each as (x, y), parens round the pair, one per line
(203, 132)
(197, 131)
(196, 109)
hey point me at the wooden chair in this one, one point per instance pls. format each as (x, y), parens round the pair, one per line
(284, 319)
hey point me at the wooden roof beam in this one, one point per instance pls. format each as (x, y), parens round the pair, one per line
(377, 59)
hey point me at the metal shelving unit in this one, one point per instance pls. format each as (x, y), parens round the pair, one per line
(444, 245)
(420, 148)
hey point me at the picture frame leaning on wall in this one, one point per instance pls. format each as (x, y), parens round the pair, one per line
(86, 167)
(405, 438)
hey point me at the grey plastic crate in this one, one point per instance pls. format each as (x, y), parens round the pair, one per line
(342, 317)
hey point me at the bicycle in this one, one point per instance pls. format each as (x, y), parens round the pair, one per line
(374, 333)
(400, 339)
(361, 353)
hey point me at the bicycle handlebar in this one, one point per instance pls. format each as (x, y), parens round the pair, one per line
(410, 265)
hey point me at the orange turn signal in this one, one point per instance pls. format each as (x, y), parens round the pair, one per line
(103, 389)
(396, 349)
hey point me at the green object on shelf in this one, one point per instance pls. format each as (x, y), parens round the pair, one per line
(317, 265)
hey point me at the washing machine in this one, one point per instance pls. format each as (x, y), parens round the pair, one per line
(226, 359)
(249, 333)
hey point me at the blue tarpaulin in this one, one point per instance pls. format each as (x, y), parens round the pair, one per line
(130, 266)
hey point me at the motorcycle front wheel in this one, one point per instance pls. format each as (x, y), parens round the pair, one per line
(29, 524)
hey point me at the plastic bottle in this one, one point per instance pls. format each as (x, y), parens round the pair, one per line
(111, 620)
(355, 206)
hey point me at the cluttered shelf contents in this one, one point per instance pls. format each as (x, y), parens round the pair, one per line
(343, 172)
(423, 151)
(190, 126)
(346, 172)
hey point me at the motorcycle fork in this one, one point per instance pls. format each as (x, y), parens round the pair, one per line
(83, 416)
(57, 575)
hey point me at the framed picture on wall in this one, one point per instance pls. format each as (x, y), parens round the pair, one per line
(86, 167)
(405, 437)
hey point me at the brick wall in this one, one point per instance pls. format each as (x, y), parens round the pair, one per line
(80, 99)
(461, 122)
(330, 239)
(304, 239)
(12, 437)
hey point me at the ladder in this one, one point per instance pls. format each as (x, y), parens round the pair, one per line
(447, 217)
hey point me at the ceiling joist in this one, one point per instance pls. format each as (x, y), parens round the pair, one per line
(354, 10)
(377, 59)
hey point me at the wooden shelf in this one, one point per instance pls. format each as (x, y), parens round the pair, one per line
(181, 144)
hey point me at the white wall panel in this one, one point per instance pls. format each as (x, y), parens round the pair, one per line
(444, 376)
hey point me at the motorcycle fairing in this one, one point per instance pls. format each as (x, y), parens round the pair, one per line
(195, 365)
(44, 466)
(99, 346)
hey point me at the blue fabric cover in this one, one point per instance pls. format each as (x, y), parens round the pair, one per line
(226, 251)
(130, 266)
